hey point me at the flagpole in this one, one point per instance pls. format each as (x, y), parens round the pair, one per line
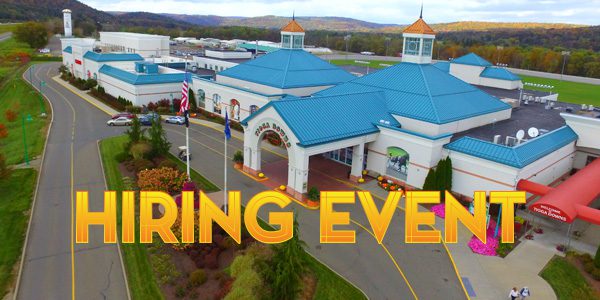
(187, 145)
(225, 202)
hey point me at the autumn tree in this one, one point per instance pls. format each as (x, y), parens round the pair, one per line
(33, 33)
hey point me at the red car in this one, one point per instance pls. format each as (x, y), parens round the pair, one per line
(124, 114)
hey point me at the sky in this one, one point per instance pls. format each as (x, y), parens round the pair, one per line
(377, 11)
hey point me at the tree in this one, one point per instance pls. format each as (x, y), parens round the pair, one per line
(33, 33)
(430, 181)
(287, 266)
(192, 97)
(158, 139)
(135, 132)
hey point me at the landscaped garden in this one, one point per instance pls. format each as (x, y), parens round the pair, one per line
(569, 281)
(222, 269)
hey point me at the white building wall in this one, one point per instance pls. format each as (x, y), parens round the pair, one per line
(146, 45)
(467, 73)
(139, 94)
(228, 54)
(423, 154)
(470, 174)
(226, 94)
(499, 83)
(213, 64)
(550, 167)
(452, 127)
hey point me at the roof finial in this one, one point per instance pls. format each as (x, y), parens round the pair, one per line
(421, 15)
(293, 15)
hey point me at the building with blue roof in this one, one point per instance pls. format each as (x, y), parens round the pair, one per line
(242, 89)
(474, 69)
(398, 122)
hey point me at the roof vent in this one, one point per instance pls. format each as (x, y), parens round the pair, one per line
(387, 122)
(497, 138)
(382, 121)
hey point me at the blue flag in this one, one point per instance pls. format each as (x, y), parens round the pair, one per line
(227, 129)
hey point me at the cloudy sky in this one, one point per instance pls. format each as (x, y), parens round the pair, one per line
(378, 11)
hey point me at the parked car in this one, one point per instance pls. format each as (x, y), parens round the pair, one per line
(175, 120)
(367, 53)
(153, 116)
(120, 121)
(124, 114)
(145, 121)
(44, 50)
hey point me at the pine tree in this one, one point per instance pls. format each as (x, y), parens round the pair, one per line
(448, 171)
(158, 139)
(287, 267)
(135, 132)
(430, 181)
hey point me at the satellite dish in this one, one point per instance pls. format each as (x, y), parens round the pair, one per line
(520, 134)
(533, 132)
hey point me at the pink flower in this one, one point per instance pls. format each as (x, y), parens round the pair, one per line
(439, 210)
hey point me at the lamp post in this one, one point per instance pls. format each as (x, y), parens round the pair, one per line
(387, 45)
(30, 71)
(347, 39)
(172, 103)
(42, 108)
(565, 54)
(23, 119)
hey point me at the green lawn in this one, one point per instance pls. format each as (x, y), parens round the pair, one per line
(18, 96)
(566, 281)
(7, 27)
(15, 202)
(571, 92)
(375, 64)
(143, 284)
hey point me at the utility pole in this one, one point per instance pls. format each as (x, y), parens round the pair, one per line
(347, 39)
(387, 45)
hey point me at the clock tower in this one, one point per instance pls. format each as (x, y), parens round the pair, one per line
(418, 42)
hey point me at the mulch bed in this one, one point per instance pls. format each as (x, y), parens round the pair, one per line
(595, 284)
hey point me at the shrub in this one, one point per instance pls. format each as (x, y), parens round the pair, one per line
(128, 184)
(238, 157)
(585, 258)
(158, 139)
(11, 115)
(180, 292)
(3, 131)
(313, 194)
(589, 267)
(240, 264)
(247, 285)
(167, 163)
(122, 157)
(164, 103)
(140, 150)
(163, 110)
(197, 278)
(140, 165)
(503, 249)
(176, 228)
(596, 274)
(163, 179)
(152, 106)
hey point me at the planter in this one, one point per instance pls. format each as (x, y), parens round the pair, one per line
(238, 165)
(518, 227)
(312, 203)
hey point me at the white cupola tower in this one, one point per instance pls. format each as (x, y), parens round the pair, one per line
(292, 35)
(67, 22)
(418, 42)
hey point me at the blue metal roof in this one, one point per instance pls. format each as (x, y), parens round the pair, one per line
(423, 92)
(472, 59)
(288, 68)
(250, 46)
(68, 49)
(102, 57)
(443, 66)
(499, 73)
(139, 79)
(324, 119)
(518, 156)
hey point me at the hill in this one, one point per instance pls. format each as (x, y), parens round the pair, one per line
(354, 25)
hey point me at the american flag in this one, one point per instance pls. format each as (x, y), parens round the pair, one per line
(185, 104)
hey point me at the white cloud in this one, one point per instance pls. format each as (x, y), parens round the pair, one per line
(383, 11)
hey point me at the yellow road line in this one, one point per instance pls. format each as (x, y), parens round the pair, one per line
(391, 257)
(72, 242)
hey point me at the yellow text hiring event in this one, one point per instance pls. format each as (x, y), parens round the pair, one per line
(209, 212)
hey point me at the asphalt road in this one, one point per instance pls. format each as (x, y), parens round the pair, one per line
(393, 270)
(71, 164)
(5, 36)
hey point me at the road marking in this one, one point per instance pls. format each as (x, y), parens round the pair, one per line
(391, 257)
(72, 242)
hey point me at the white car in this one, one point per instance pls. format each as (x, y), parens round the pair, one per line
(44, 50)
(367, 53)
(120, 121)
(175, 120)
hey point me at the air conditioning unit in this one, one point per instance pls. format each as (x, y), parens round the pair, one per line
(497, 138)
(510, 141)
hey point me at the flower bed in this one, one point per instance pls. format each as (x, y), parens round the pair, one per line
(489, 248)
(439, 210)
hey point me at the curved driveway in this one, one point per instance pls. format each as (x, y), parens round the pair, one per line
(393, 271)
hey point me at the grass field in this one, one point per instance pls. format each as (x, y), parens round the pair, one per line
(375, 64)
(566, 281)
(142, 282)
(571, 92)
(18, 96)
(15, 202)
(7, 27)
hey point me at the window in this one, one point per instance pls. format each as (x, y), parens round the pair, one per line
(216, 103)
(297, 42)
(427, 47)
(412, 46)
(285, 41)
(201, 98)
(253, 109)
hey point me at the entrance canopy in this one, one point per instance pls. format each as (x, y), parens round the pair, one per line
(571, 199)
